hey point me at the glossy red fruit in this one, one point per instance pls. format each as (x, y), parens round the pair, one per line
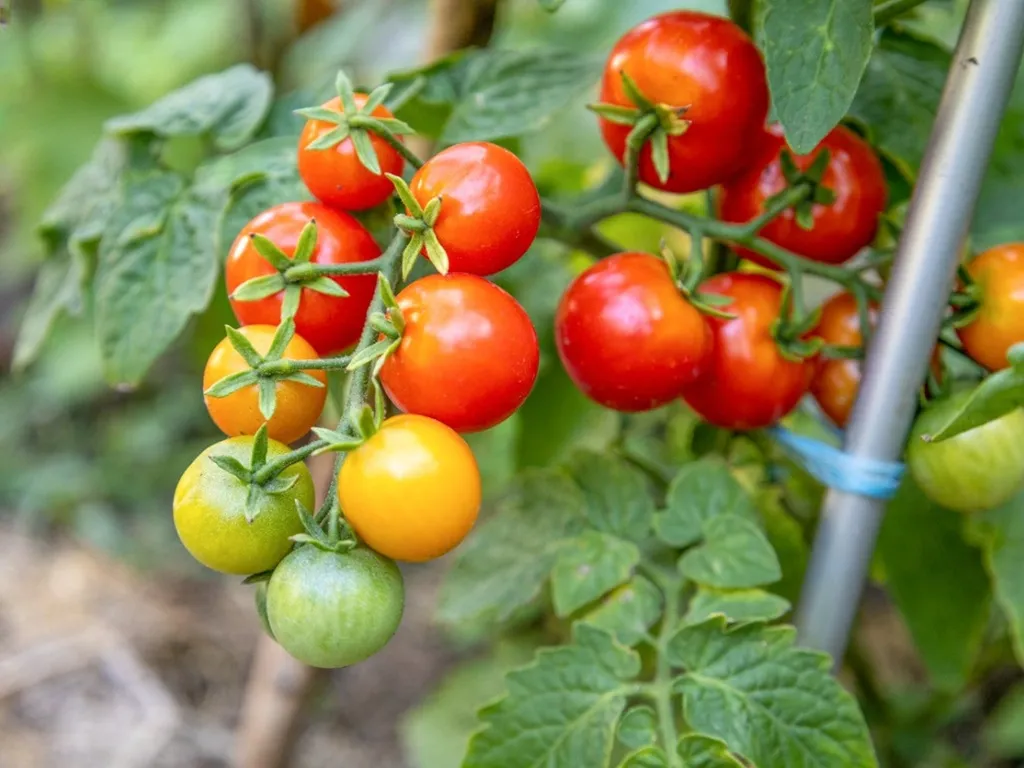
(490, 209)
(841, 228)
(706, 64)
(749, 384)
(627, 337)
(468, 356)
(329, 323)
(335, 175)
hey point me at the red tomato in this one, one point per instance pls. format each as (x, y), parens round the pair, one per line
(840, 229)
(468, 356)
(626, 335)
(707, 64)
(490, 209)
(335, 176)
(749, 384)
(999, 324)
(329, 323)
(836, 382)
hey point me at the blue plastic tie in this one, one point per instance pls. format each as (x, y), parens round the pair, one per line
(838, 469)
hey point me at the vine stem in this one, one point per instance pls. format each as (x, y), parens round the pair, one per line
(663, 675)
(286, 366)
(399, 146)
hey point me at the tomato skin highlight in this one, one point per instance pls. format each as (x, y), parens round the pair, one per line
(490, 208)
(703, 62)
(836, 382)
(999, 324)
(209, 511)
(468, 356)
(329, 323)
(840, 229)
(976, 470)
(335, 176)
(627, 337)
(298, 405)
(332, 610)
(412, 491)
(748, 384)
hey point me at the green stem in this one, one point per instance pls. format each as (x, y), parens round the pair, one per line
(399, 146)
(662, 688)
(303, 271)
(272, 469)
(284, 367)
(332, 519)
(786, 200)
(634, 145)
(891, 9)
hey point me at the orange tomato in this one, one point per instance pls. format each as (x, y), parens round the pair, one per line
(836, 382)
(298, 405)
(999, 324)
(412, 491)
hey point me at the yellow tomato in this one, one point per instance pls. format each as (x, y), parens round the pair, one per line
(412, 491)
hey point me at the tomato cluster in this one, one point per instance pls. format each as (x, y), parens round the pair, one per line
(459, 355)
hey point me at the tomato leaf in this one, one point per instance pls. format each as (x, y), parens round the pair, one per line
(932, 574)
(629, 611)
(228, 106)
(736, 605)
(815, 53)
(646, 757)
(156, 269)
(899, 96)
(997, 395)
(505, 562)
(58, 289)
(701, 751)
(561, 710)
(786, 536)
(638, 727)
(618, 498)
(735, 554)
(702, 489)
(588, 567)
(770, 702)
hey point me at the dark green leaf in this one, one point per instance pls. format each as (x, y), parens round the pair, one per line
(504, 564)
(628, 611)
(561, 711)
(815, 53)
(737, 605)
(735, 555)
(701, 751)
(702, 490)
(147, 286)
(899, 96)
(997, 395)
(772, 703)
(618, 499)
(229, 106)
(58, 289)
(638, 727)
(1003, 734)
(589, 566)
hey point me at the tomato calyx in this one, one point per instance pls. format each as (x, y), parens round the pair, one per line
(338, 539)
(356, 123)
(363, 420)
(810, 180)
(791, 327)
(259, 487)
(651, 121)
(418, 222)
(687, 278)
(293, 274)
(390, 324)
(264, 370)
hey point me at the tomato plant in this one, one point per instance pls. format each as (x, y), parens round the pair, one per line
(835, 382)
(998, 274)
(468, 356)
(750, 383)
(627, 336)
(328, 321)
(333, 609)
(412, 491)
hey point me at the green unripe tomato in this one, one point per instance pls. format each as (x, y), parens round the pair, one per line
(331, 610)
(974, 471)
(209, 511)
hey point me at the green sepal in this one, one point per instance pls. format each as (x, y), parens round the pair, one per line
(232, 383)
(841, 352)
(387, 293)
(282, 337)
(816, 170)
(362, 418)
(634, 94)
(257, 288)
(380, 406)
(411, 253)
(406, 196)
(326, 286)
(280, 483)
(376, 97)
(306, 244)
(337, 442)
(382, 325)
(804, 215)
(391, 125)
(290, 302)
(701, 303)
(659, 153)
(330, 139)
(233, 467)
(269, 252)
(614, 113)
(436, 254)
(260, 445)
(368, 354)
(309, 524)
(365, 152)
(320, 113)
(302, 377)
(256, 578)
(798, 350)
(346, 94)
(409, 223)
(243, 347)
(268, 397)
(431, 211)
(789, 170)
(254, 500)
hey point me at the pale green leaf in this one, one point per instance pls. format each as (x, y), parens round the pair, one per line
(735, 554)
(628, 611)
(737, 605)
(638, 727)
(701, 751)
(701, 490)
(618, 498)
(58, 290)
(587, 567)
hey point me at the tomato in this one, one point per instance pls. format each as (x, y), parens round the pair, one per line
(335, 176)
(330, 609)
(298, 405)
(329, 323)
(209, 511)
(412, 491)
(840, 229)
(836, 382)
(749, 384)
(999, 324)
(976, 470)
(490, 209)
(468, 355)
(706, 64)
(626, 335)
